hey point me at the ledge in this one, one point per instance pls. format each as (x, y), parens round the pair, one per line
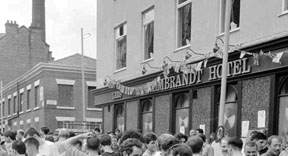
(71, 108)
(283, 13)
(94, 109)
(120, 70)
(181, 48)
(36, 108)
(231, 31)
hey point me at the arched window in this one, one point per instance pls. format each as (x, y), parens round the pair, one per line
(181, 107)
(283, 109)
(119, 114)
(230, 109)
(147, 115)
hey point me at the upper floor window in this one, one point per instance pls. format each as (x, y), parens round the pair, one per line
(9, 106)
(183, 22)
(28, 99)
(235, 15)
(148, 27)
(14, 104)
(21, 102)
(36, 96)
(91, 97)
(3, 108)
(285, 6)
(65, 95)
(147, 115)
(121, 46)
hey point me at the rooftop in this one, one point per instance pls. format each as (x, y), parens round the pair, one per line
(75, 60)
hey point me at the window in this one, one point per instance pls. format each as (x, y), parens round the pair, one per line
(283, 109)
(147, 115)
(65, 95)
(28, 99)
(183, 22)
(91, 97)
(3, 106)
(285, 6)
(230, 109)
(14, 104)
(148, 30)
(235, 15)
(65, 124)
(181, 108)
(9, 106)
(21, 102)
(36, 95)
(119, 114)
(121, 46)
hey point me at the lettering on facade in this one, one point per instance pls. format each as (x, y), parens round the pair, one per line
(116, 95)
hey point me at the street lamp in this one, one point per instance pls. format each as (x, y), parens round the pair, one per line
(83, 76)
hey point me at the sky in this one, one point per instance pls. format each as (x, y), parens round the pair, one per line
(64, 20)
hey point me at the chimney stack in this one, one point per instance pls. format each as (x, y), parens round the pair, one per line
(11, 27)
(38, 17)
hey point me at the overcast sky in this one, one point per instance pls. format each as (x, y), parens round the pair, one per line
(64, 19)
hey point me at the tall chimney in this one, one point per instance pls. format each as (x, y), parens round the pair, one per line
(38, 17)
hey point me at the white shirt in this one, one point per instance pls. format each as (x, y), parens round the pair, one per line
(48, 149)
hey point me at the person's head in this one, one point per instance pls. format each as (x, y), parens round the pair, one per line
(93, 144)
(260, 139)
(9, 136)
(167, 144)
(117, 131)
(32, 146)
(250, 149)
(20, 134)
(223, 146)
(49, 138)
(274, 144)
(32, 132)
(203, 137)
(131, 147)
(105, 140)
(180, 150)
(161, 139)
(114, 140)
(234, 145)
(97, 131)
(19, 147)
(195, 143)
(45, 130)
(199, 131)
(131, 134)
(192, 132)
(63, 133)
(150, 141)
(181, 137)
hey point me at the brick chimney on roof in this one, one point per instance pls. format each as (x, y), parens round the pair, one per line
(11, 27)
(38, 17)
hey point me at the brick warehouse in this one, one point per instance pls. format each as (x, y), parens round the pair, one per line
(50, 95)
(159, 80)
(34, 83)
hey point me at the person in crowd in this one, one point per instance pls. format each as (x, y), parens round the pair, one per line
(250, 149)
(192, 132)
(46, 148)
(131, 134)
(150, 142)
(274, 146)
(92, 145)
(20, 135)
(62, 136)
(19, 148)
(207, 148)
(117, 131)
(114, 143)
(97, 131)
(234, 146)
(216, 144)
(196, 144)
(9, 137)
(160, 140)
(131, 147)
(180, 150)
(44, 131)
(32, 147)
(261, 141)
(49, 138)
(181, 137)
(199, 131)
(223, 147)
(105, 141)
(211, 138)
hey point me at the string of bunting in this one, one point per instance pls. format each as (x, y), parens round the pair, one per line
(182, 66)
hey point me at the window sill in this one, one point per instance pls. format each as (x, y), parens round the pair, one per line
(147, 60)
(283, 13)
(28, 110)
(71, 108)
(231, 31)
(94, 109)
(120, 70)
(21, 112)
(14, 114)
(36, 108)
(181, 48)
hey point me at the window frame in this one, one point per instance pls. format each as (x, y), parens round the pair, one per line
(9, 107)
(144, 112)
(222, 15)
(59, 102)
(118, 38)
(175, 108)
(89, 96)
(14, 104)
(144, 24)
(21, 100)
(178, 7)
(36, 96)
(116, 115)
(28, 94)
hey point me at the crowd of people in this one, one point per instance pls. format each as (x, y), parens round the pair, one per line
(133, 143)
